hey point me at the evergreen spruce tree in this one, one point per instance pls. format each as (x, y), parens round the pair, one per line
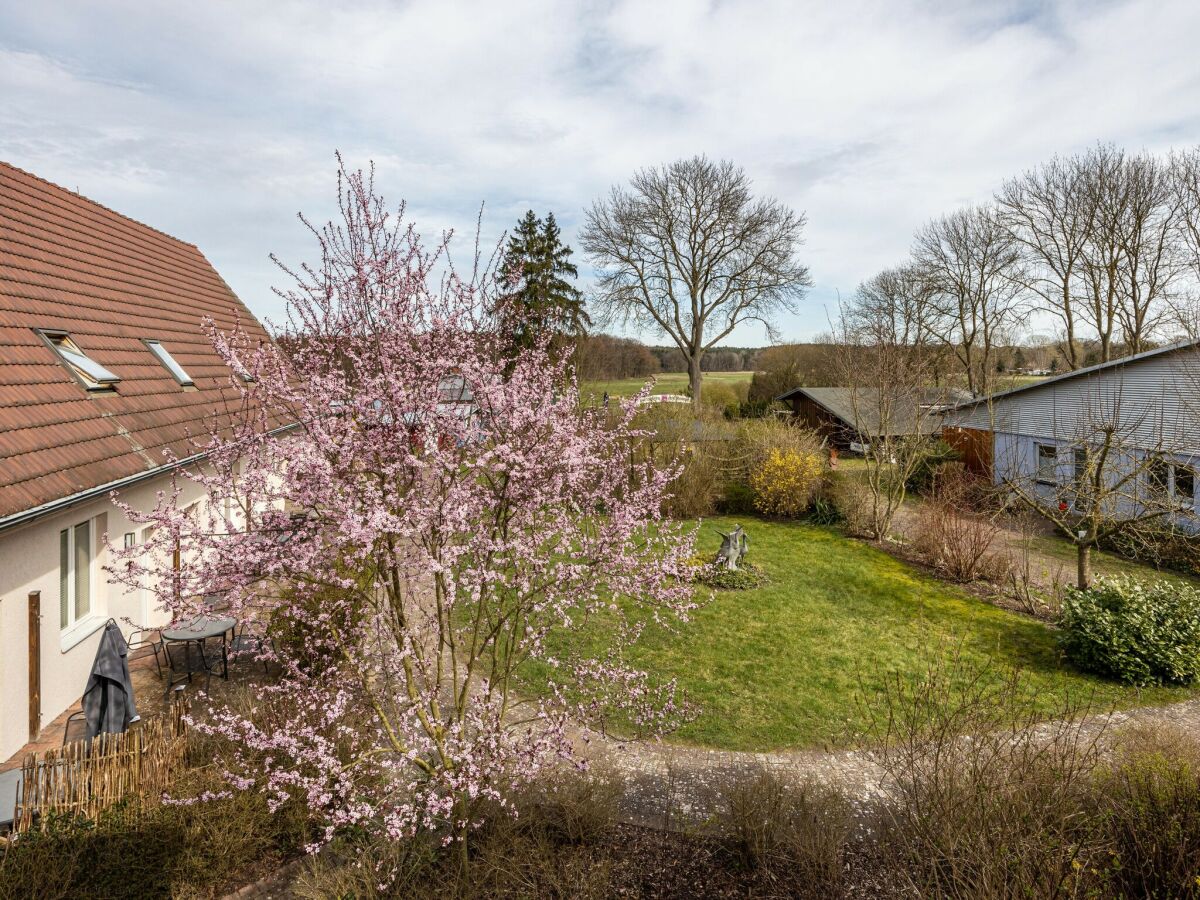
(544, 301)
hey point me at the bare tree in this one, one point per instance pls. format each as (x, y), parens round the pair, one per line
(1185, 168)
(1049, 215)
(688, 251)
(1149, 239)
(887, 360)
(1113, 464)
(970, 263)
(894, 307)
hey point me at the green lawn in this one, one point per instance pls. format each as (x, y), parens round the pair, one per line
(791, 663)
(665, 383)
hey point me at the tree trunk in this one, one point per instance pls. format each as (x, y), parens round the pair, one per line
(694, 376)
(1085, 566)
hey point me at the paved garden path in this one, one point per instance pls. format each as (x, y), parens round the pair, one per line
(675, 786)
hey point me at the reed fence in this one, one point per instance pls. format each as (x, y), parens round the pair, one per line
(85, 777)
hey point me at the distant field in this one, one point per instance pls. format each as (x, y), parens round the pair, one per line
(664, 383)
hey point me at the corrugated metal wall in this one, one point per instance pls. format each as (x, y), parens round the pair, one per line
(1154, 402)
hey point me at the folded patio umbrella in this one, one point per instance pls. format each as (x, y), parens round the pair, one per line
(108, 699)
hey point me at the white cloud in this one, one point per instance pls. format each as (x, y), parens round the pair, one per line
(217, 121)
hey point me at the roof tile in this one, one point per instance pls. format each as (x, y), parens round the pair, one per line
(71, 264)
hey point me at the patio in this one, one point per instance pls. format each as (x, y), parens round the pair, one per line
(148, 695)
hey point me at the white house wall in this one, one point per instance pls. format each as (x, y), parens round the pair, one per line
(29, 561)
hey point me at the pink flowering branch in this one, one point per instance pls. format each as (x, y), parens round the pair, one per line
(423, 518)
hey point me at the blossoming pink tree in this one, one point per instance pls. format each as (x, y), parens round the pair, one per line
(431, 523)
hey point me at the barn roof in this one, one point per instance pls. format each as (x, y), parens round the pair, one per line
(854, 406)
(71, 267)
(1120, 362)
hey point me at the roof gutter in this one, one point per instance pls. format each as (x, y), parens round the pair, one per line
(28, 515)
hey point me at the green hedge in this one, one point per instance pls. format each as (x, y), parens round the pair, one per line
(1138, 632)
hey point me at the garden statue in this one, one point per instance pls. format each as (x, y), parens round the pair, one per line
(733, 548)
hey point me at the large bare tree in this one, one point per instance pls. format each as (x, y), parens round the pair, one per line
(1049, 214)
(970, 264)
(687, 250)
(1185, 167)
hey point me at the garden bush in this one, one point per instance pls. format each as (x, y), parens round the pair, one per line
(956, 534)
(937, 457)
(1163, 548)
(1137, 632)
(715, 471)
(784, 482)
(793, 835)
(193, 850)
(1146, 809)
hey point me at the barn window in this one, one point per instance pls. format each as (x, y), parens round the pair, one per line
(1079, 459)
(1047, 463)
(1185, 486)
(1158, 478)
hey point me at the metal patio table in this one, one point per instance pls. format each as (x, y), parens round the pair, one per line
(198, 630)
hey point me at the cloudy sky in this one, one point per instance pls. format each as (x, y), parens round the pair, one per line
(217, 122)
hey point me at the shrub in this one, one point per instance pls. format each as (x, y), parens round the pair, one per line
(988, 801)
(744, 578)
(738, 499)
(784, 482)
(853, 501)
(1160, 547)
(930, 465)
(953, 537)
(824, 511)
(718, 396)
(1137, 632)
(700, 484)
(193, 850)
(790, 833)
(302, 629)
(1146, 809)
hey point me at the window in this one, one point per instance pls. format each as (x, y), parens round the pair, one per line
(1158, 478)
(86, 370)
(1185, 487)
(1047, 463)
(74, 574)
(164, 356)
(1079, 459)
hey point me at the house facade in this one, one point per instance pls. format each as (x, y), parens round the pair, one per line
(106, 376)
(1142, 412)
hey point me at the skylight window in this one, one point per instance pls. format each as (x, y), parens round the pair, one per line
(93, 376)
(163, 355)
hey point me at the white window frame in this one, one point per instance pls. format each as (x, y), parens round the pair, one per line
(78, 626)
(163, 355)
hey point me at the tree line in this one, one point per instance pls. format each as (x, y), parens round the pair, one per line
(1104, 245)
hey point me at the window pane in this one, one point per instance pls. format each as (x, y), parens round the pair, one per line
(169, 361)
(1185, 485)
(83, 569)
(1047, 460)
(64, 579)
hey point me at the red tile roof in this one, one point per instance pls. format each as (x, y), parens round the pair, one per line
(70, 264)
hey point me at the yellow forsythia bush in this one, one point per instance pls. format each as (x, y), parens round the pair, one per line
(784, 482)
